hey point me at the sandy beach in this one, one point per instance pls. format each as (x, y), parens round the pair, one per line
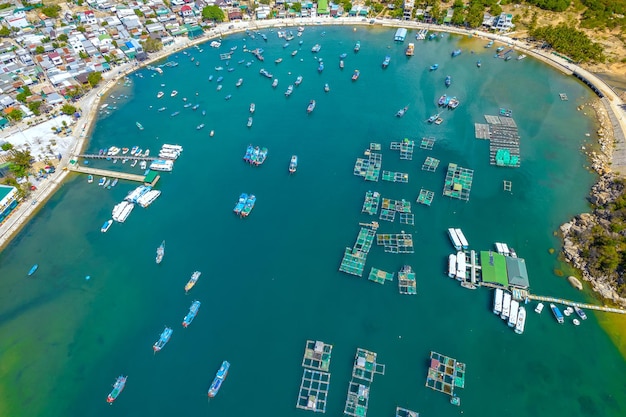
(46, 145)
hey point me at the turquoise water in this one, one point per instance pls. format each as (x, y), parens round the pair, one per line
(270, 282)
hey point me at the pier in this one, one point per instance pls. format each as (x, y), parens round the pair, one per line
(116, 157)
(575, 304)
(107, 173)
(363, 371)
(315, 384)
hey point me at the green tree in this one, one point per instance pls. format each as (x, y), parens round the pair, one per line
(20, 162)
(51, 10)
(83, 55)
(40, 50)
(152, 45)
(81, 29)
(68, 109)
(34, 107)
(138, 12)
(15, 114)
(24, 94)
(45, 40)
(5, 32)
(297, 7)
(213, 13)
(6, 146)
(62, 37)
(94, 78)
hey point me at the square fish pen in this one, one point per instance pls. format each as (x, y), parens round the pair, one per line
(363, 371)
(401, 206)
(458, 182)
(396, 243)
(395, 176)
(425, 197)
(371, 203)
(387, 215)
(445, 374)
(379, 276)
(369, 168)
(405, 147)
(317, 355)
(315, 383)
(407, 218)
(354, 258)
(406, 281)
(430, 164)
(427, 143)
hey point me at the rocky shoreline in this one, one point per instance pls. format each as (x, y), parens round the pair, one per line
(578, 234)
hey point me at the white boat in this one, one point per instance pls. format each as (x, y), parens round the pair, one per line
(539, 308)
(90, 178)
(160, 94)
(461, 268)
(178, 148)
(143, 165)
(106, 226)
(514, 309)
(521, 320)
(576, 322)
(102, 181)
(580, 313)
(137, 193)
(454, 239)
(506, 306)
(462, 239)
(252, 107)
(275, 82)
(505, 249)
(497, 301)
(122, 211)
(452, 265)
(162, 165)
(174, 93)
(148, 198)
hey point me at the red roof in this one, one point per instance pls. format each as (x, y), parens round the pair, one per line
(185, 8)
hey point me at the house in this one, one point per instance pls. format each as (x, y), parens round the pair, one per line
(488, 20)
(6, 101)
(88, 17)
(55, 58)
(449, 15)
(186, 11)
(17, 20)
(234, 14)
(503, 22)
(8, 200)
(408, 9)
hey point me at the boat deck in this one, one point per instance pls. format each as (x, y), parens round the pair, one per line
(396, 243)
(371, 203)
(363, 371)
(406, 281)
(405, 147)
(458, 182)
(427, 143)
(315, 382)
(379, 276)
(425, 197)
(445, 374)
(430, 164)
(395, 176)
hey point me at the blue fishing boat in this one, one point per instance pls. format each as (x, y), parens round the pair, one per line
(249, 151)
(478, 63)
(448, 81)
(293, 164)
(434, 67)
(500, 49)
(432, 118)
(342, 56)
(357, 46)
(386, 61)
(193, 311)
(320, 68)
(118, 387)
(163, 339)
(228, 97)
(456, 52)
(311, 106)
(356, 75)
(240, 203)
(557, 313)
(247, 208)
(442, 100)
(33, 269)
(105, 227)
(220, 376)
(219, 79)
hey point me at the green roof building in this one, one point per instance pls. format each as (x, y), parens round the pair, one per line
(493, 268)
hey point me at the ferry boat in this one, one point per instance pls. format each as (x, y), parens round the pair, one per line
(580, 313)
(298, 80)
(121, 211)
(355, 75)
(173, 93)
(105, 227)
(311, 106)
(193, 310)
(539, 308)
(247, 208)
(448, 81)
(357, 46)
(252, 108)
(434, 67)
(160, 252)
(326, 87)
(192, 281)
(118, 387)
(521, 320)
(160, 94)
(293, 164)
(289, 91)
(275, 83)
(249, 124)
(163, 339)
(506, 306)
(89, 178)
(462, 239)
(139, 126)
(452, 265)
(316, 48)
(402, 111)
(557, 313)
(514, 310)
(456, 52)
(386, 61)
(240, 203)
(220, 376)
(33, 269)
(410, 50)
(497, 301)
(461, 266)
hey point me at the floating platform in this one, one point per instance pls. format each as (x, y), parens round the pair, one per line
(407, 218)
(406, 281)
(425, 197)
(387, 215)
(430, 164)
(427, 143)
(354, 258)
(380, 276)
(369, 168)
(365, 366)
(375, 146)
(405, 147)
(396, 243)
(401, 206)
(458, 183)
(563, 96)
(503, 136)
(313, 392)
(371, 203)
(317, 355)
(507, 185)
(395, 176)
(363, 371)
(481, 131)
(445, 374)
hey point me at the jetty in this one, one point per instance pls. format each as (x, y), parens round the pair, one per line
(575, 304)
(363, 371)
(425, 197)
(354, 258)
(458, 182)
(445, 374)
(107, 173)
(315, 383)
(379, 276)
(115, 157)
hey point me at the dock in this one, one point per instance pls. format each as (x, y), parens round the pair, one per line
(406, 281)
(396, 243)
(430, 164)
(354, 258)
(425, 197)
(395, 176)
(107, 173)
(369, 168)
(379, 276)
(115, 157)
(427, 143)
(458, 182)
(315, 383)
(405, 147)
(363, 371)
(445, 374)
(371, 203)
(575, 304)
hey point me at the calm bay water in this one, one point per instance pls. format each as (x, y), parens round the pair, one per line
(270, 282)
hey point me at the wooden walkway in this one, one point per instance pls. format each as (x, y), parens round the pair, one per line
(575, 304)
(107, 173)
(129, 157)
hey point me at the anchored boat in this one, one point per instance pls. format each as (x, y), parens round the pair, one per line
(105, 227)
(192, 281)
(163, 339)
(118, 387)
(356, 75)
(220, 376)
(311, 106)
(402, 111)
(386, 61)
(160, 253)
(293, 164)
(557, 313)
(193, 311)
(33, 269)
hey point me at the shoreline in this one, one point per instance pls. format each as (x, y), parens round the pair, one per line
(23, 212)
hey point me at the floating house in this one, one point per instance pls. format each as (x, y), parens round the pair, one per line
(400, 35)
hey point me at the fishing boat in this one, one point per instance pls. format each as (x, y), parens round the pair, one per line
(539, 308)
(173, 93)
(295, 51)
(252, 108)
(448, 81)
(247, 208)
(219, 68)
(289, 91)
(200, 126)
(89, 178)
(118, 387)
(506, 306)
(160, 94)
(212, 133)
(293, 164)
(434, 67)
(192, 281)
(343, 55)
(240, 203)
(326, 87)
(320, 67)
(228, 97)
(176, 113)
(261, 156)
(102, 181)
(498, 295)
(508, 58)
(33, 269)
(341, 64)
(402, 111)
(500, 49)
(275, 83)
(455, 53)
(219, 87)
(453, 103)
(219, 79)
(105, 227)
(278, 60)
(355, 75)
(521, 320)
(478, 63)
(557, 313)
(193, 311)
(160, 252)
(316, 48)
(220, 376)
(522, 56)
(298, 80)
(163, 339)
(311, 106)
(489, 45)
(162, 109)
(386, 61)
(580, 312)
(357, 46)
(249, 124)
(211, 77)
(410, 50)
(139, 126)
(432, 118)
(505, 112)
(442, 100)
(239, 82)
